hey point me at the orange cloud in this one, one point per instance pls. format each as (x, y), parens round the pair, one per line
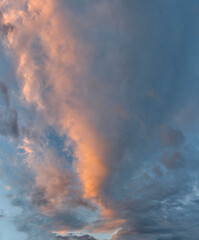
(50, 79)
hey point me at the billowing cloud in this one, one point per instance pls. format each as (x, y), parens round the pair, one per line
(107, 96)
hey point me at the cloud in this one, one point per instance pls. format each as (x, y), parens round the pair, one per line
(38, 197)
(73, 237)
(4, 91)
(9, 123)
(5, 28)
(172, 160)
(2, 214)
(113, 80)
(8, 116)
(171, 137)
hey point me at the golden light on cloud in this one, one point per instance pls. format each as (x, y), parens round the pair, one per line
(49, 78)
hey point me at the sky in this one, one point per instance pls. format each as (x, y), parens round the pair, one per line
(99, 119)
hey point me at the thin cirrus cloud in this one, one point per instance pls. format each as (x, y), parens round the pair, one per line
(115, 84)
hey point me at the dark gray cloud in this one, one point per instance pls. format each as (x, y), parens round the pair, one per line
(145, 60)
(73, 237)
(70, 219)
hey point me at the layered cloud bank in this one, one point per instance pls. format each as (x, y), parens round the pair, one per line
(102, 118)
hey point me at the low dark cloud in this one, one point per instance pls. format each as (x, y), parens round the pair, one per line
(73, 237)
